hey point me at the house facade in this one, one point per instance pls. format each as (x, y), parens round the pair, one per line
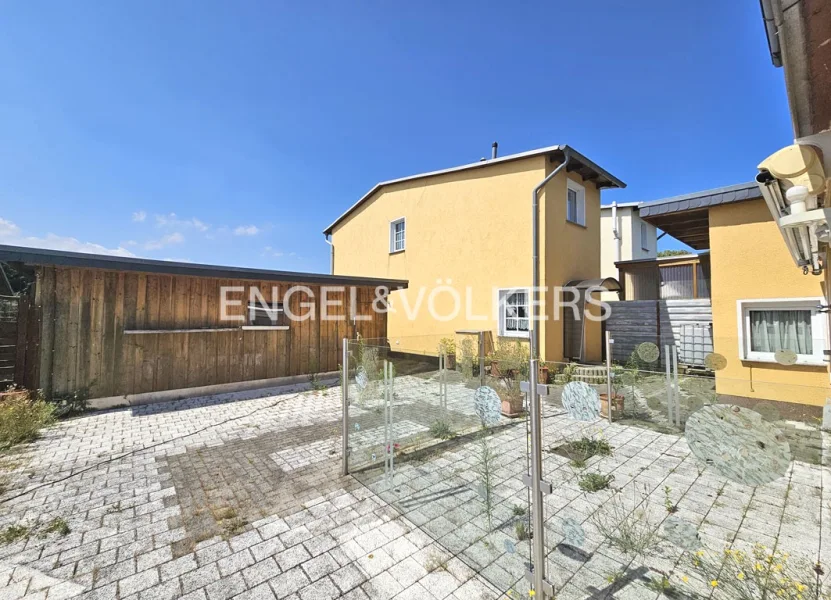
(624, 236)
(761, 304)
(469, 228)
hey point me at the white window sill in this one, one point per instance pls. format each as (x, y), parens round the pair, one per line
(515, 334)
(802, 361)
(265, 327)
(397, 251)
(570, 222)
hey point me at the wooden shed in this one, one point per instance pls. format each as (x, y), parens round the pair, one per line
(133, 330)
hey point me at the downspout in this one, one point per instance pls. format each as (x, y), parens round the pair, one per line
(535, 241)
(327, 236)
(616, 234)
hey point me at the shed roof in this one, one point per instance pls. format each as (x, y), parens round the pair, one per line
(686, 217)
(42, 256)
(578, 163)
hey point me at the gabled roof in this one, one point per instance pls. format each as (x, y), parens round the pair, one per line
(43, 256)
(687, 217)
(578, 163)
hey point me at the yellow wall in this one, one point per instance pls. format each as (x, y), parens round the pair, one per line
(473, 228)
(749, 260)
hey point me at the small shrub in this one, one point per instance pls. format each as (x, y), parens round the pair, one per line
(12, 533)
(668, 503)
(518, 510)
(661, 586)
(595, 482)
(57, 525)
(568, 372)
(758, 574)
(447, 346)
(484, 470)
(441, 430)
(630, 531)
(22, 417)
(70, 403)
(521, 531)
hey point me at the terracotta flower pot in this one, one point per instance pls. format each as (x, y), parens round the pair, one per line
(450, 362)
(512, 407)
(542, 375)
(617, 405)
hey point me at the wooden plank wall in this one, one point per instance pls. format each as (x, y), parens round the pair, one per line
(85, 313)
(9, 310)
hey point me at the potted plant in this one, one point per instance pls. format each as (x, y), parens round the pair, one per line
(509, 360)
(447, 346)
(512, 398)
(542, 373)
(617, 399)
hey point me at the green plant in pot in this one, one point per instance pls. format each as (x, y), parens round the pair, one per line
(447, 347)
(617, 398)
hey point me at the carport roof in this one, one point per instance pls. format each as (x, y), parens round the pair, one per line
(686, 218)
(43, 256)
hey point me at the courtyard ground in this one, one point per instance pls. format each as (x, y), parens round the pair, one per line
(240, 496)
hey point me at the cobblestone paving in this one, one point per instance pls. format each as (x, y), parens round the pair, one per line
(241, 497)
(148, 495)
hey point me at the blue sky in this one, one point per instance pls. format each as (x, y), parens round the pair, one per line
(233, 133)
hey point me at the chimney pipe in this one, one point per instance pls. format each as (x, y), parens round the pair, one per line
(494, 146)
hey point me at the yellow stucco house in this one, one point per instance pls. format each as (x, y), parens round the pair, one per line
(469, 228)
(760, 302)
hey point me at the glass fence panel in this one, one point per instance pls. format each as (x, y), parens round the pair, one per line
(709, 481)
(448, 449)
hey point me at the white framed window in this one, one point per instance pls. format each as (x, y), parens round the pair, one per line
(514, 312)
(575, 203)
(644, 237)
(796, 324)
(398, 235)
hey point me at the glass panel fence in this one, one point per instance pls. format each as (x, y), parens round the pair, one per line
(444, 441)
(707, 482)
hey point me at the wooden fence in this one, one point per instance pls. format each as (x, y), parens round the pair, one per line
(687, 324)
(8, 339)
(117, 333)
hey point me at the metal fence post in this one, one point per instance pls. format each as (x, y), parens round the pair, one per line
(669, 382)
(609, 399)
(677, 391)
(537, 518)
(481, 358)
(344, 392)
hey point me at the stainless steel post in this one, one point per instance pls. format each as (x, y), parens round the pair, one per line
(537, 525)
(344, 392)
(669, 383)
(609, 398)
(677, 393)
(481, 358)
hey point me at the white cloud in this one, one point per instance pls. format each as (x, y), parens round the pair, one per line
(270, 252)
(166, 240)
(139, 217)
(12, 235)
(246, 230)
(172, 220)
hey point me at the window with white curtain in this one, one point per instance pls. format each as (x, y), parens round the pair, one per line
(575, 203)
(766, 326)
(514, 314)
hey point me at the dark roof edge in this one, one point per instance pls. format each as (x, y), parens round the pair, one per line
(44, 256)
(613, 181)
(712, 197)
